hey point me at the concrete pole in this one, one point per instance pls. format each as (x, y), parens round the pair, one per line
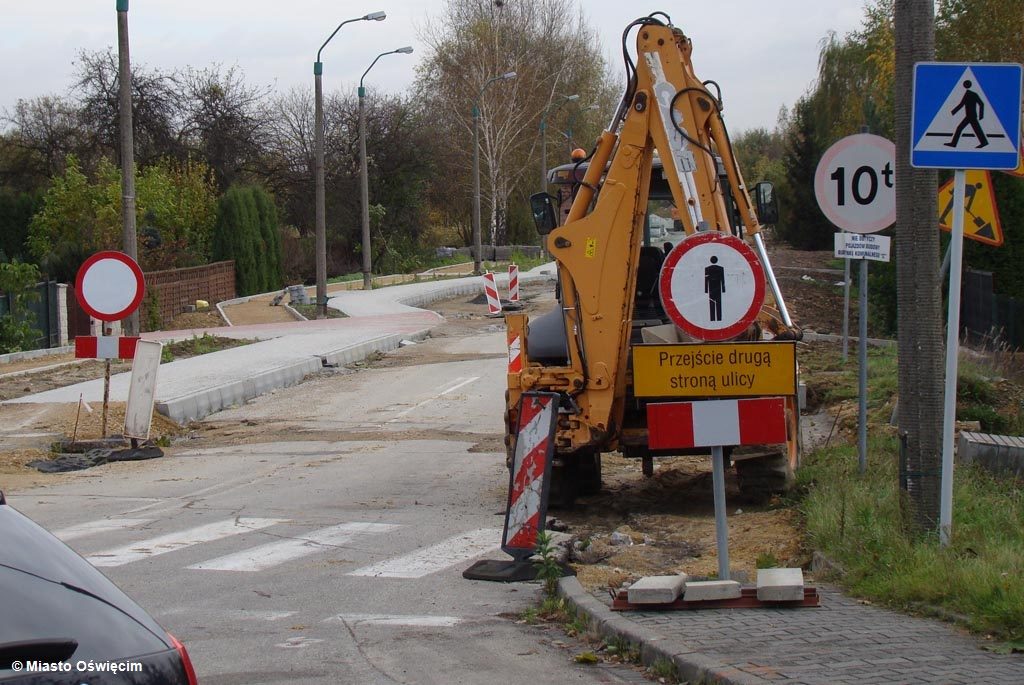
(543, 157)
(321, 212)
(127, 150)
(476, 192)
(365, 187)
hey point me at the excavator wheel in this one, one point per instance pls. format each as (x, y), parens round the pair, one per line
(564, 487)
(588, 472)
(763, 476)
(573, 475)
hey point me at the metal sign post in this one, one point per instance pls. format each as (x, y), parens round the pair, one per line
(717, 424)
(856, 189)
(963, 116)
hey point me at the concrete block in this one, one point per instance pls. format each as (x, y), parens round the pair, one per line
(708, 590)
(656, 589)
(780, 584)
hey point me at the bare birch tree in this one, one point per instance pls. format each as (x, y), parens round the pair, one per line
(553, 52)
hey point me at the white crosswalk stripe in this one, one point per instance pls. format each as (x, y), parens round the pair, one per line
(423, 621)
(175, 541)
(454, 550)
(275, 553)
(81, 530)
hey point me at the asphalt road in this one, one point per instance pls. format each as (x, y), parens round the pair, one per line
(318, 534)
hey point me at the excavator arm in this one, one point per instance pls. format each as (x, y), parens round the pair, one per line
(666, 109)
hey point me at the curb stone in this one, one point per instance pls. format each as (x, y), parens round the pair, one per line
(692, 666)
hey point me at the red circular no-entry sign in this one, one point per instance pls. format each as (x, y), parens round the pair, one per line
(712, 286)
(109, 285)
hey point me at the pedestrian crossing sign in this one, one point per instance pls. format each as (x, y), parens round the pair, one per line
(966, 116)
(981, 216)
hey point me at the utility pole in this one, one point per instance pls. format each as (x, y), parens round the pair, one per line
(127, 149)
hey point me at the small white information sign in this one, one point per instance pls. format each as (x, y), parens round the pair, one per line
(863, 246)
(138, 413)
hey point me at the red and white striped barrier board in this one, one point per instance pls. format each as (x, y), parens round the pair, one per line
(491, 290)
(105, 347)
(531, 474)
(513, 282)
(515, 353)
(716, 423)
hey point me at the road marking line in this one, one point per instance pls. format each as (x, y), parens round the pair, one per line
(432, 559)
(274, 553)
(81, 530)
(459, 382)
(396, 620)
(175, 541)
(256, 614)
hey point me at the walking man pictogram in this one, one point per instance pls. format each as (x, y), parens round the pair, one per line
(714, 286)
(974, 112)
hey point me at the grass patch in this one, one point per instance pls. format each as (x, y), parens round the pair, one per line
(197, 345)
(861, 522)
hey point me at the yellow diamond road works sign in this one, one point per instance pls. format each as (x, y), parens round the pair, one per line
(752, 369)
(981, 218)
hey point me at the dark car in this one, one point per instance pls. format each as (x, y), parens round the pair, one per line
(62, 622)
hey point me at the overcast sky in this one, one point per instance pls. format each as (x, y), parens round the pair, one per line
(763, 54)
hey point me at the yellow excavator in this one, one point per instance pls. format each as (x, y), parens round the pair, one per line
(666, 153)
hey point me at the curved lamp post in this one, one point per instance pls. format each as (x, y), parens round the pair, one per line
(364, 180)
(476, 169)
(318, 170)
(543, 137)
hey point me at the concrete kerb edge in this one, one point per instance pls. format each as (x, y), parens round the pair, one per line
(692, 667)
(361, 350)
(35, 354)
(200, 404)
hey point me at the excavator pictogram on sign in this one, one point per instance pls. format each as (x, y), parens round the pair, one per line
(981, 217)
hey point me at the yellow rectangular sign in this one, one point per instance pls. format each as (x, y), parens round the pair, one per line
(749, 369)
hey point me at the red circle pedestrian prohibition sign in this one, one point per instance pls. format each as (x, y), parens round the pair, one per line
(109, 285)
(712, 286)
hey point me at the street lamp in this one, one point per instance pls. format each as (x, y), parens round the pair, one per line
(543, 138)
(476, 168)
(572, 118)
(367, 281)
(318, 170)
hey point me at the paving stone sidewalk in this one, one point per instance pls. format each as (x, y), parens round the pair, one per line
(842, 642)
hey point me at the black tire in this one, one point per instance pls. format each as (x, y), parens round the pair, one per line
(564, 486)
(588, 472)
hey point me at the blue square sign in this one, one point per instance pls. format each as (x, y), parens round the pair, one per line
(966, 116)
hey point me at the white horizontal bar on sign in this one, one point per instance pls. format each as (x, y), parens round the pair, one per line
(81, 530)
(716, 422)
(175, 541)
(435, 558)
(274, 553)
(397, 620)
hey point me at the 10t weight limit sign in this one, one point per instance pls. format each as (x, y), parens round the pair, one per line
(855, 183)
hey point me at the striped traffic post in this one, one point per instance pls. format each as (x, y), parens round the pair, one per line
(515, 353)
(531, 474)
(491, 290)
(513, 282)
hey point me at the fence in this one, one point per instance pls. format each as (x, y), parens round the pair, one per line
(986, 316)
(171, 290)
